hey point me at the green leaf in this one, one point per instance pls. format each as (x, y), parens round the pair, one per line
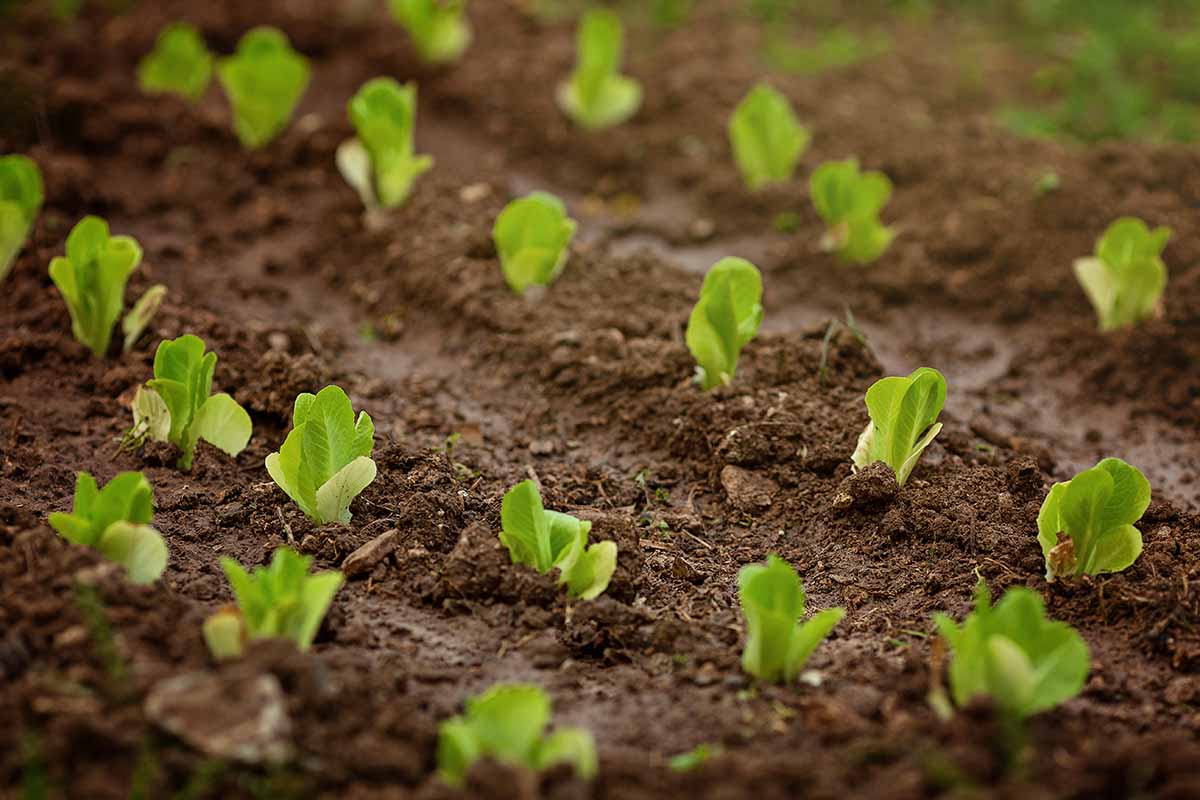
(264, 81)
(115, 520)
(546, 540)
(766, 137)
(508, 723)
(725, 318)
(532, 236)
(596, 96)
(224, 634)
(904, 412)
(1012, 653)
(850, 201)
(439, 28)
(777, 644)
(139, 316)
(179, 64)
(138, 548)
(1126, 280)
(1095, 510)
(21, 197)
(324, 463)
(183, 376)
(384, 113)
(282, 600)
(92, 278)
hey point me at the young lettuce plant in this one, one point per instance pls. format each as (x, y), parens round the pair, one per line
(597, 95)
(116, 520)
(766, 137)
(177, 406)
(546, 539)
(1093, 515)
(777, 643)
(379, 163)
(439, 28)
(1013, 654)
(532, 236)
(325, 462)
(904, 414)
(281, 601)
(180, 63)
(508, 723)
(850, 201)
(264, 80)
(21, 196)
(1126, 278)
(92, 278)
(724, 320)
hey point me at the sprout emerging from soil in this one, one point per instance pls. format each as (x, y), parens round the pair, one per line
(177, 407)
(116, 520)
(545, 540)
(533, 236)
(180, 63)
(264, 80)
(280, 601)
(904, 414)
(325, 462)
(766, 137)
(850, 201)
(92, 278)
(1126, 278)
(1013, 654)
(439, 28)
(380, 163)
(508, 723)
(778, 644)
(597, 95)
(1086, 527)
(21, 197)
(724, 320)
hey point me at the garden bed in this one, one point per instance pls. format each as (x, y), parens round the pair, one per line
(588, 390)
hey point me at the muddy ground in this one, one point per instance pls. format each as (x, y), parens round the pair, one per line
(588, 390)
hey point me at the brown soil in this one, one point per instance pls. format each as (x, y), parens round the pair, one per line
(588, 389)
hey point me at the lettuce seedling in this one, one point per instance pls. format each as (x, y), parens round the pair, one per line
(546, 539)
(532, 236)
(508, 723)
(180, 63)
(777, 643)
(177, 405)
(850, 201)
(264, 80)
(766, 137)
(379, 163)
(21, 196)
(1093, 515)
(281, 601)
(597, 95)
(1013, 654)
(904, 414)
(1126, 278)
(116, 521)
(439, 28)
(724, 320)
(325, 462)
(92, 278)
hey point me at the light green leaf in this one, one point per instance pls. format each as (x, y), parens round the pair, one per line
(225, 635)
(525, 527)
(282, 600)
(150, 413)
(384, 114)
(439, 28)
(180, 63)
(532, 236)
(850, 201)
(264, 81)
(725, 318)
(333, 498)
(766, 137)
(139, 316)
(573, 746)
(21, 197)
(904, 412)
(596, 96)
(222, 423)
(1126, 280)
(354, 164)
(138, 548)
